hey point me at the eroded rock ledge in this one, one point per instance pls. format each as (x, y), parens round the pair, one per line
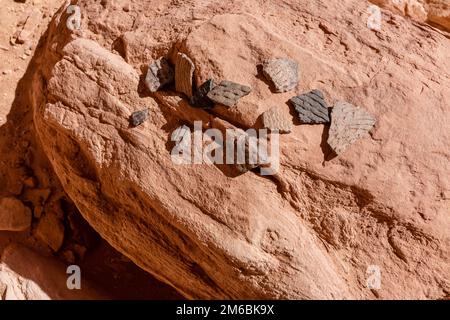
(435, 12)
(309, 232)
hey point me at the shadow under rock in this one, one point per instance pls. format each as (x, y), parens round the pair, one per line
(22, 156)
(328, 153)
(260, 76)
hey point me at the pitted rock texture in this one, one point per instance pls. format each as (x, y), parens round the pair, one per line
(311, 230)
(282, 72)
(274, 119)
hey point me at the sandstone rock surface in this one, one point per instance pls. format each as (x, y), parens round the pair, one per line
(50, 230)
(26, 275)
(14, 215)
(436, 12)
(313, 229)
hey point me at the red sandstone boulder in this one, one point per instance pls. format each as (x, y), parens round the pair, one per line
(311, 231)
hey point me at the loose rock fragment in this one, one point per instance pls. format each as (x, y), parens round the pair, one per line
(273, 119)
(311, 107)
(348, 124)
(228, 93)
(14, 215)
(159, 74)
(200, 98)
(282, 72)
(37, 196)
(184, 72)
(32, 19)
(138, 117)
(50, 230)
(30, 182)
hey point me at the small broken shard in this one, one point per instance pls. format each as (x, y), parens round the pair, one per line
(282, 72)
(228, 93)
(184, 73)
(159, 74)
(274, 120)
(311, 107)
(200, 98)
(138, 117)
(348, 124)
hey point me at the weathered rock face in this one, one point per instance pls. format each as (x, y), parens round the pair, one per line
(312, 230)
(14, 215)
(436, 12)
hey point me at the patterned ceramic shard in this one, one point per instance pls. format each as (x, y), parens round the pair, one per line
(274, 119)
(311, 107)
(282, 72)
(138, 117)
(200, 98)
(184, 72)
(348, 124)
(228, 93)
(159, 74)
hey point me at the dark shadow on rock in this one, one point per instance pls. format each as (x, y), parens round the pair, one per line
(49, 274)
(124, 280)
(296, 121)
(23, 157)
(260, 75)
(119, 46)
(259, 124)
(328, 153)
